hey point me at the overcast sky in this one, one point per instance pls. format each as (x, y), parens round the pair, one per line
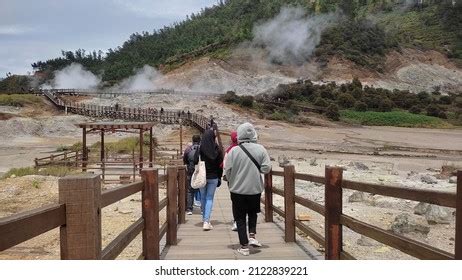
(32, 30)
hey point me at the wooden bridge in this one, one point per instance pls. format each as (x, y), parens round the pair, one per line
(78, 215)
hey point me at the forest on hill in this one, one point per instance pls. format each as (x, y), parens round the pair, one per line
(367, 31)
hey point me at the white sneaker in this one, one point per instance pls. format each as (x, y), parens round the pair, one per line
(207, 226)
(243, 251)
(234, 227)
(189, 213)
(197, 203)
(254, 242)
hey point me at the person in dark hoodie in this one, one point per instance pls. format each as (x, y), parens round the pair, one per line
(211, 154)
(244, 166)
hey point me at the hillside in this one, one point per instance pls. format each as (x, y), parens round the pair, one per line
(363, 32)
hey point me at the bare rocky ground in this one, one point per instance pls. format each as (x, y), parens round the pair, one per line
(248, 71)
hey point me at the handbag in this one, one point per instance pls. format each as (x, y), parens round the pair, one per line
(199, 179)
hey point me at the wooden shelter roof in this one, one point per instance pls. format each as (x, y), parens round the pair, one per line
(118, 125)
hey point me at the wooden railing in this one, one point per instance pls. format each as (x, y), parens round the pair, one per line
(78, 215)
(127, 113)
(67, 156)
(332, 240)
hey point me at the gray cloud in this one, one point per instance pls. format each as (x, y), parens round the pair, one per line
(39, 30)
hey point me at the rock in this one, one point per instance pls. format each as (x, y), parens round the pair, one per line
(366, 241)
(434, 214)
(453, 180)
(313, 162)
(283, 161)
(421, 208)
(303, 217)
(358, 197)
(395, 173)
(404, 223)
(125, 211)
(428, 179)
(360, 166)
(438, 215)
(386, 202)
(13, 176)
(411, 174)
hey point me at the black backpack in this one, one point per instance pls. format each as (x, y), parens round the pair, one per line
(193, 158)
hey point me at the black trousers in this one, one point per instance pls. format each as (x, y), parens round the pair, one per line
(190, 195)
(243, 206)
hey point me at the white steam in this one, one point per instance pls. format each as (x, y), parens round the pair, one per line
(144, 79)
(74, 76)
(292, 36)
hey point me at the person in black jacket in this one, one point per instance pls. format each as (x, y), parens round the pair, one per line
(189, 159)
(211, 154)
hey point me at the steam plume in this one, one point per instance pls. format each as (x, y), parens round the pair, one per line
(292, 36)
(74, 76)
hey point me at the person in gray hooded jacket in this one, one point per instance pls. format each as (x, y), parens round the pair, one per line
(244, 166)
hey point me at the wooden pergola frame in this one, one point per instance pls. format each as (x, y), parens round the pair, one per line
(125, 127)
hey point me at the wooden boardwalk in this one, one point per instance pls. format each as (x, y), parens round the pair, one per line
(221, 242)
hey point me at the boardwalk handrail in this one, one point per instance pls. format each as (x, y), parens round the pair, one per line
(23, 226)
(126, 113)
(334, 218)
(79, 216)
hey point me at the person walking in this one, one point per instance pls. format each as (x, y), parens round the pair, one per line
(231, 146)
(243, 168)
(211, 154)
(190, 155)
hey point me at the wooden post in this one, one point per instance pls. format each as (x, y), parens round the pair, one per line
(141, 147)
(150, 213)
(80, 238)
(150, 147)
(333, 207)
(102, 145)
(181, 137)
(84, 149)
(172, 205)
(269, 197)
(182, 195)
(289, 202)
(458, 240)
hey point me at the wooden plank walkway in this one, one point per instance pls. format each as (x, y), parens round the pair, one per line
(221, 242)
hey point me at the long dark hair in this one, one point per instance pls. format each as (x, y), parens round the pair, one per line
(208, 145)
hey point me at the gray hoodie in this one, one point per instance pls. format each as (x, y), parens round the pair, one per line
(243, 175)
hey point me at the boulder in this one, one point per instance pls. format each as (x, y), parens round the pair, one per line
(434, 214)
(428, 179)
(303, 217)
(283, 161)
(360, 166)
(359, 197)
(421, 208)
(438, 215)
(386, 202)
(405, 223)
